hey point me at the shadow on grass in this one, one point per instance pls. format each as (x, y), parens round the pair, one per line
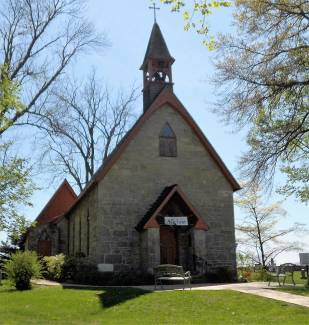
(114, 296)
(110, 297)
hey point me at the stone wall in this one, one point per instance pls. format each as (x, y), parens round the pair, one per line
(83, 227)
(150, 249)
(56, 232)
(136, 180)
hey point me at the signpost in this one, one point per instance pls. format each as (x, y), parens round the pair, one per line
(176, 221)
(304, 260)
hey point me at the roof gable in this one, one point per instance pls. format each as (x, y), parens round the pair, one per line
(149, 219)
(59, 204)
(166, 97)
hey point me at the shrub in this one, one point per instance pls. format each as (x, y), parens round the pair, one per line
(54, 266)
(244, 273)
(75, 267)
(260, 275)
(21, 268)
(83, 271)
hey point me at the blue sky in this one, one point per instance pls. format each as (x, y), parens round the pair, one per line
(127, 25)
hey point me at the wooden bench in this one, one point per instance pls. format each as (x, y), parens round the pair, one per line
(169, 272)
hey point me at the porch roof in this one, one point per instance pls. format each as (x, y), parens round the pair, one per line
(149, 219)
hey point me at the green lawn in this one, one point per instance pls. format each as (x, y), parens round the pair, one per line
(133, 306)
(302, 291)
(297, 278)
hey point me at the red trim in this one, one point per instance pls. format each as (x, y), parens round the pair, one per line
(201, 225)
(152, 222)
(166, 97)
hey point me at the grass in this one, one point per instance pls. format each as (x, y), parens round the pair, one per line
(133, 306)
(302, 291)
(256, 276)
(298, 279)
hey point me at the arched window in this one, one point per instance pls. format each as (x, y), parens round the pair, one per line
(167, 142)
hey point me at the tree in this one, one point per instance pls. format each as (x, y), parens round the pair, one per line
(16, 229)
(194, 14)
(16, 189)
(263, 74)
(262, 78)
(86, 126)
(15, 179)
(258, 233)
(39, 39)
(8, 98)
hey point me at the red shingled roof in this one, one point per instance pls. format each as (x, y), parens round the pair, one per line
(58, 205)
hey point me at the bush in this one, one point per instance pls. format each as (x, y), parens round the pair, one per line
(81, 271)
(260, 275)
(77, 267)
(244, 273)
(54, 266)
(21, 268)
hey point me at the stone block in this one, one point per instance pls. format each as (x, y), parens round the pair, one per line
(113, 259)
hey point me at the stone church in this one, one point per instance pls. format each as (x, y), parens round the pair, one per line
(162, 196)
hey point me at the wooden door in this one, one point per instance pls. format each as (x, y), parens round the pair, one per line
(44, 247)
(168, 245)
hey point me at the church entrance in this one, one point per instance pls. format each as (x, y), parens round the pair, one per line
(176, 246)
(176, 224)
(168, 245)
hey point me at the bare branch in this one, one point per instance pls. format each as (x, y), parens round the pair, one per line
(88, 124)
(39, 41)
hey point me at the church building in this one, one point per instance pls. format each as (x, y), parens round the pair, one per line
(163, 196)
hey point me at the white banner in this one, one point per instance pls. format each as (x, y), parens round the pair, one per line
(176, 221)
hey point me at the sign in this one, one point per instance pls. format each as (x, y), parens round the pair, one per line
(304, 258)
(176, 221)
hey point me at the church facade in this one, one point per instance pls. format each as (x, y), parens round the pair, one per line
(163, 196)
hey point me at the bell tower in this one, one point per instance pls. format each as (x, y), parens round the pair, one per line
(156, 67)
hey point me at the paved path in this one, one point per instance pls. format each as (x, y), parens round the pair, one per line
(263, 291)
(255, 288)
(43, 282)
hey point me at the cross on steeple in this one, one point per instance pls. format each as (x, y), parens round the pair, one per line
(154, 8)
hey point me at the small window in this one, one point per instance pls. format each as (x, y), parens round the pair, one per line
(167, 142)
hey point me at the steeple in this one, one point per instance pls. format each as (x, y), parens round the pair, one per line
(156, 67)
